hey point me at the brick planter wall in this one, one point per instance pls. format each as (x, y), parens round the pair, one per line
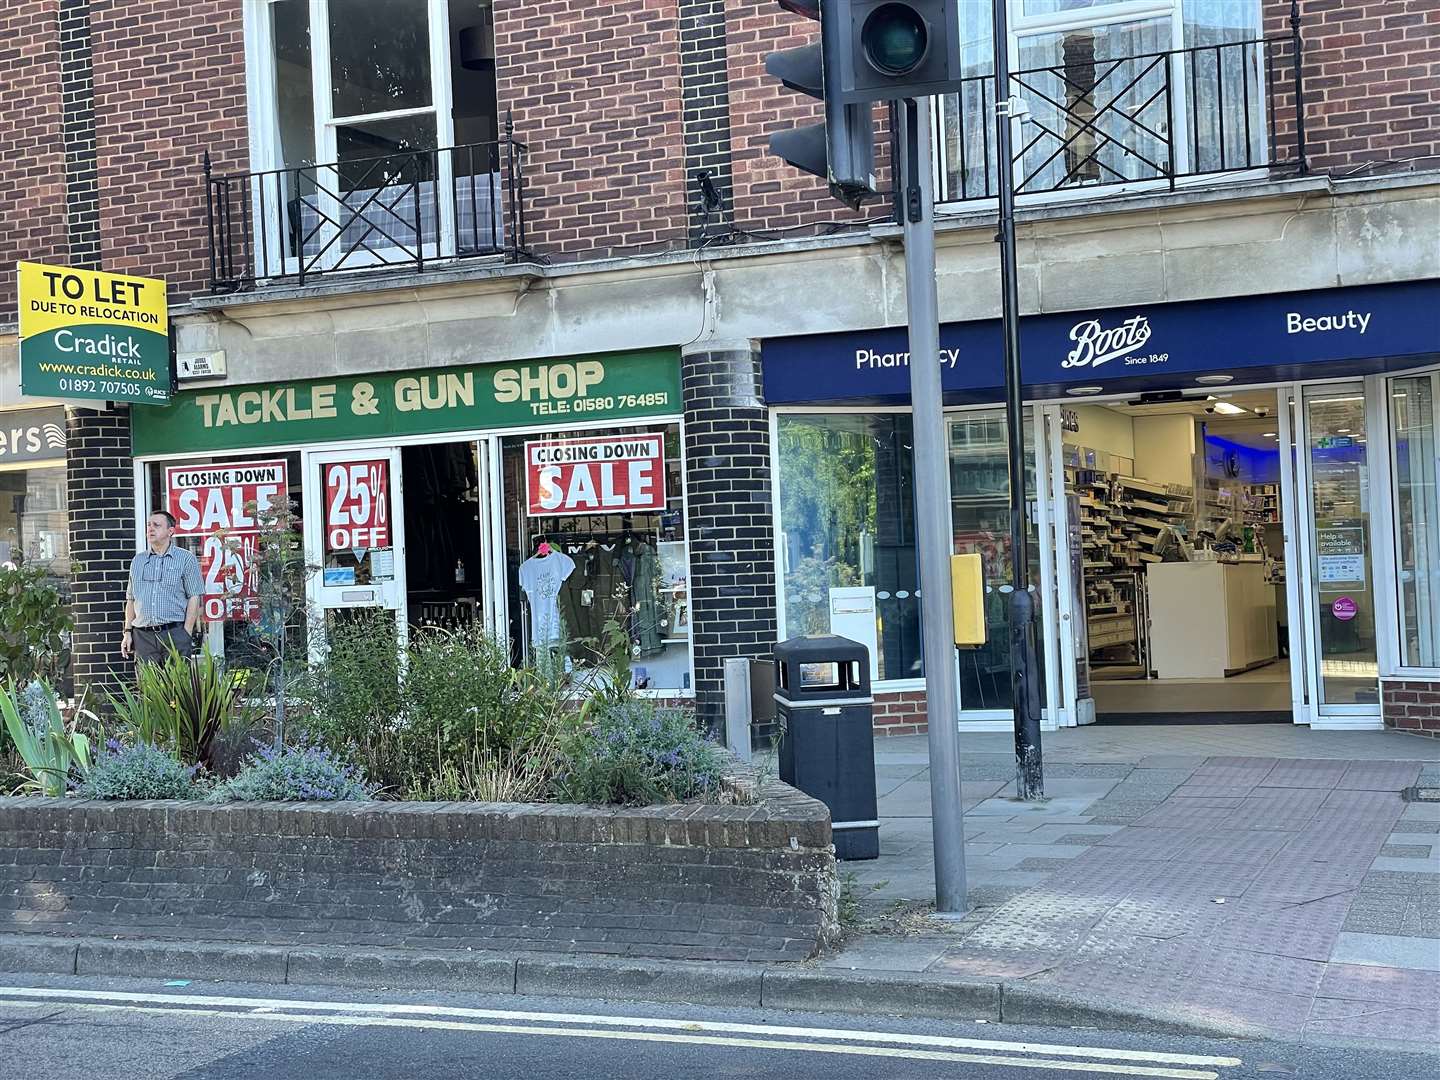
(748, 882)
(1411, 705)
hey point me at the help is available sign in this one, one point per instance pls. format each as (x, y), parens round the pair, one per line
(222, 504)
(612, 474)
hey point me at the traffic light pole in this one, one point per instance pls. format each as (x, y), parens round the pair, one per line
(932, 508)
(1024, 673)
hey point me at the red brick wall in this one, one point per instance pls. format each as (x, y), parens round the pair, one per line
(32, 182)
(169, 85)
(1411, 705)
(1372, 80)
(770, 194)
(595, 93)
(900, 713)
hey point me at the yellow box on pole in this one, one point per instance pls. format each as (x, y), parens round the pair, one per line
(967, 598)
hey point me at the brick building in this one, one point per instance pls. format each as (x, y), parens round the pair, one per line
(484, 228)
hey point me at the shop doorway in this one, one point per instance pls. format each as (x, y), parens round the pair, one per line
(1178, 576)
(445, 539)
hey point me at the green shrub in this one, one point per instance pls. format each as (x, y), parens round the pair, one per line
(50, 750)
(638, 753)
(139, 771)
(305, 773)
(350, 700)
(34, 625)
(183, 705)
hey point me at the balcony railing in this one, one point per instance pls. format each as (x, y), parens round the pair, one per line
(413, 209)
(1136, 120)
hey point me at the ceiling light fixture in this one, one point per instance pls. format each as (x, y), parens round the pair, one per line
(1084, 391)
(1271, 435)
(1214, 380)
(1226, 408)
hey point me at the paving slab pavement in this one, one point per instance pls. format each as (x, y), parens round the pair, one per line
(1267, 880)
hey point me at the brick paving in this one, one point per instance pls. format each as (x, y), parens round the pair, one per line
(1284, 894)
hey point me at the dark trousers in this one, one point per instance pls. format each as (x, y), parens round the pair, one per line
(153, 646)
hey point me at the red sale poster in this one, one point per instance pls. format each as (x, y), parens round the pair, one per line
(616, 474)
(222, 504)
(357, 505)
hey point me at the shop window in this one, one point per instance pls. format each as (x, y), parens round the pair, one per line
(847, 534)
(34, 529)
(980, 520)
(216, 502)
(595, 550)
(1416, 462)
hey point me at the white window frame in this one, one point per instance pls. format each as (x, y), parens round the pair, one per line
(264, 125)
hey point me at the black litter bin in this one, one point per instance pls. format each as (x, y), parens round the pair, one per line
(827, 750)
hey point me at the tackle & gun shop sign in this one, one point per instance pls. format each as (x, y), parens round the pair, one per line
(563, 390)
(92, 335)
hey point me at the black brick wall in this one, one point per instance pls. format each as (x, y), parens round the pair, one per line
(732, 552)
(99, 480)
(100, 490)
(749, 882)
(705, 110)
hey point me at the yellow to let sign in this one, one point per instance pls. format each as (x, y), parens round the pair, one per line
(91, 334)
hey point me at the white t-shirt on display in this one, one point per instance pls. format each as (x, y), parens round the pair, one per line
(541, 577)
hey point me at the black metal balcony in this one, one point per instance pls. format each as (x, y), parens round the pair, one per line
(1145, 120)
(413, 209)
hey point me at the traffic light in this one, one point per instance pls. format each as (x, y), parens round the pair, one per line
(893, 49)
(842, 149)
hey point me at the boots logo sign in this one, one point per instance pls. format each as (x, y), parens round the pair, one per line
(1096, 345)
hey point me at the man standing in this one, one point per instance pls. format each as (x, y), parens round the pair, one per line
(162, 601)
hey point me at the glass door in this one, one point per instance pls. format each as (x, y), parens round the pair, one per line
(980, 523)
(354, 535)
(1339, 599)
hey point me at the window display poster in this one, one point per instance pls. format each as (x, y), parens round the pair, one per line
(614, 474)
(223, 504)
(357, 506)
(1340, 553)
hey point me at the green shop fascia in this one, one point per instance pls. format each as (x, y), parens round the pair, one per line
(472, 399)
(449, 454)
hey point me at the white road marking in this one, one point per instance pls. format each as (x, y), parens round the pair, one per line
(674, 1038)
(262, 1005)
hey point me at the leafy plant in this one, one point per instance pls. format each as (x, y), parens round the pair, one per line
(182, 705)
(638, 753)
(351, 698)
(49, 749)
(138, 771)
(304, 773)
(34, 625)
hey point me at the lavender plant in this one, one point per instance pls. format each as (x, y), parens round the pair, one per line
(138, 770)
(635, 752)
(306, 772)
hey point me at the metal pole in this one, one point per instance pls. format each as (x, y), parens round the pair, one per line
(932, 510)
(1024, 685)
